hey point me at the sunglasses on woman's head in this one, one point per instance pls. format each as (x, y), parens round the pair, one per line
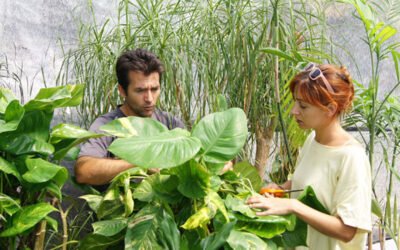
(316, 73)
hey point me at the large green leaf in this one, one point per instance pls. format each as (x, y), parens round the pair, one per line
(66, 136)
(50, 98)
(238, 204)
(111, 205)
(133, 126)
(239, 240)
(31, 136)
(93, 200)
(27, 218)
(7, 95)
(166, 150)
(40, 171)
(246, 170)
(10, 205)
(194, 181)
(99, 242)
(263, 226)
(168, 233)
(222, 135)
(109, 227)
(12, 117)
(201, 217)
(217, 239)
(216, 200)
(158, 186)
(9, 168)
(142, 229)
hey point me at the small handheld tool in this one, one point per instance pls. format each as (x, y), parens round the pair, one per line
(278, 192)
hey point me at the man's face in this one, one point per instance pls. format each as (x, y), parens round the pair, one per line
(141, 95)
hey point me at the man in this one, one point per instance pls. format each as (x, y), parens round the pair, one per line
(139, 75)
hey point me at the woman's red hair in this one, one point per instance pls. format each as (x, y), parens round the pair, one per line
(315, 92)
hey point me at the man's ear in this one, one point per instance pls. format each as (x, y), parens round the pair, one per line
(332, 109)
(121, 91)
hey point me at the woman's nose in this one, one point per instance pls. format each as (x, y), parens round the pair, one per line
(294, 110)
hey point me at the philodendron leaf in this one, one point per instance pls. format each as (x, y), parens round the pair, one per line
(158, 186)
(222, 135)
(40, 171)
(10, 205)
(109, 227)
(9, 168)
(66, 136)
(194, 181)
(214, 198)
(238, 204)
(246, 170)
(169, 149)
(168, 233)
(27, 218)
(217, 239)
(201, 217)
(31, 136)
(93, 201)
(242, 241)
(99, 242)
(50, 98)
(7, 95)
(263, 226)
(111, 205)
(52, 222)
(142, 229)
(134, 126)
(12, 116)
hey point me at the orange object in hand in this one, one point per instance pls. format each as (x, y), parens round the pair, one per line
(278, 192)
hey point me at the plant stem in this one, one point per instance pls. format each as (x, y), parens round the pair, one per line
(65, 225)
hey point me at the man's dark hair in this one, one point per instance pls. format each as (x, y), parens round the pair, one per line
(137, 60)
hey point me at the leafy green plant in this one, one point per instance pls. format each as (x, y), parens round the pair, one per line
(30, 183)
(187, 205)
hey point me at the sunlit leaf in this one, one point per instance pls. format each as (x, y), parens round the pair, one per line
(109, 227)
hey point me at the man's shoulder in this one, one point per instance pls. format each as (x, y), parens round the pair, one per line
(168, 119)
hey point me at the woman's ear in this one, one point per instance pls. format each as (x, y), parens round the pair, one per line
(332, 108)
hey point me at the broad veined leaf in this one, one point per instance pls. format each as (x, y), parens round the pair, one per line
(66, 136)
(111, 205)
(12, 116)
(263, 226)
(213, 197)
(99, 242)
(142, 229)
(31, 136)
(169, 149)
(128, 197)
(9, 168)
(27, 218)
(93, 201)
(222, 135)
(168, 233)
(134, 126)
(10, 205)
(40, 171)
(158, 186)
(50, 98)
(242, 241)
(201, 217)
(54, 189)
(194, 181)
(238, 204)
(216, 240)
(109, 227)
(247, 170)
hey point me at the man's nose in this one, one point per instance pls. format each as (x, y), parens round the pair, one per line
(148, 97)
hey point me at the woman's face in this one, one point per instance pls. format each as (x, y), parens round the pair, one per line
(308, 116)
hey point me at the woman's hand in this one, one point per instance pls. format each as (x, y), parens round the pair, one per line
(272, 206)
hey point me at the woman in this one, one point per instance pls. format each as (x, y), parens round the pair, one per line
(331, 161)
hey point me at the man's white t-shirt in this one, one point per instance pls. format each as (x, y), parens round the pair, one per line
(341, 179)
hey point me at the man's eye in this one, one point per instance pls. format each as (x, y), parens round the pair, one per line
(303, 107)
(154, 89)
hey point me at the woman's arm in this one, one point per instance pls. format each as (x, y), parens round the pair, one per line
(326, 224)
